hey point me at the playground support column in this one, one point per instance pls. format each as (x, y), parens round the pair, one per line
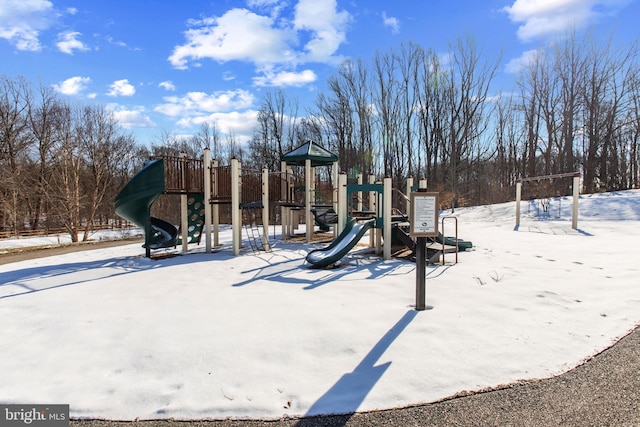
(342, 202)
(359, 176)
(518, 198)
(408, 192)
(216, 207)
(207, 195)
(284, 195)
(308, 180)
(374, 235)
(576, 197)
(236, 215)
(265, 209)
(184, 197)
(335, 198)
(386, 222)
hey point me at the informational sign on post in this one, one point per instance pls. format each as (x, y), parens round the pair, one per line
(424, 214)
(424, 223)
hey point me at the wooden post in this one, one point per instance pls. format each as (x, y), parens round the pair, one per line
(265, 209)
(308, 183)
(342, 202)
(408, 192)
(359, 206)
(518, 197)
(206, 198)
(216, 207)
(375, 239)
(236, 213)
(576, 198)
(284, 196)
(184, 205)
(335, 199)
(386, 197)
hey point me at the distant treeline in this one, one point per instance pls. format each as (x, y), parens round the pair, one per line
(411, 111)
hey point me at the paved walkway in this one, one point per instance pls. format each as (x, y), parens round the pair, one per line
(605, 391)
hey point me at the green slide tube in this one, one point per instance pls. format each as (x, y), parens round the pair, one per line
(134, 201)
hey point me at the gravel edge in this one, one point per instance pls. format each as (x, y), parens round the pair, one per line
(603, 391)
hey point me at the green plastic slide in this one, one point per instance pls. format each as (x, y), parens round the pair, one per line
(352, 233)
(134, 201)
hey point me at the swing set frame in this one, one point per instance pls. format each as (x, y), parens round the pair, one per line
(576, 193)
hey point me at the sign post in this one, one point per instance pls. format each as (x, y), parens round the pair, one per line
(424, 223)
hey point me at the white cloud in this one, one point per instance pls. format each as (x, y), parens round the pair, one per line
(121, 88)
(528, 57)
(115, 42)
(22, 20)
(237, 35)
(391, 22)
(132, 117)
(266, 40)
(68, 41)
(262, 3)
(327, 25)
(239, 124)
(167, 85)
(286, 78)
(539, 18)
(199, 103)
(72, 86)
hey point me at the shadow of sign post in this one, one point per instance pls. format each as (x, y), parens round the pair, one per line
(352, 388)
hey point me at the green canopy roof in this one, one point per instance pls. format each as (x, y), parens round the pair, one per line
(309, 150)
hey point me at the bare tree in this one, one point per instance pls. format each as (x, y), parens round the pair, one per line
(275, 133)
(103, 147)
(604, 96)
(14, 142)
(64, 186)
(210, 136)
(386, 102)
(468, 110)
(42, 115)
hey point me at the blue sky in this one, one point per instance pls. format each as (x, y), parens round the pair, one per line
(168, 66)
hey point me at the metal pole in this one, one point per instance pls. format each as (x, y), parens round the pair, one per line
(421, 261)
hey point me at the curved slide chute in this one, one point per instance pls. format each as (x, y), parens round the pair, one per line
(352, 233)
(134, 201)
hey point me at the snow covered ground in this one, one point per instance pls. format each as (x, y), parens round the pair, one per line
(208, 336)
(64, 238)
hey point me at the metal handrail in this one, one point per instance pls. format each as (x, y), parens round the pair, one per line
(444, 238)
